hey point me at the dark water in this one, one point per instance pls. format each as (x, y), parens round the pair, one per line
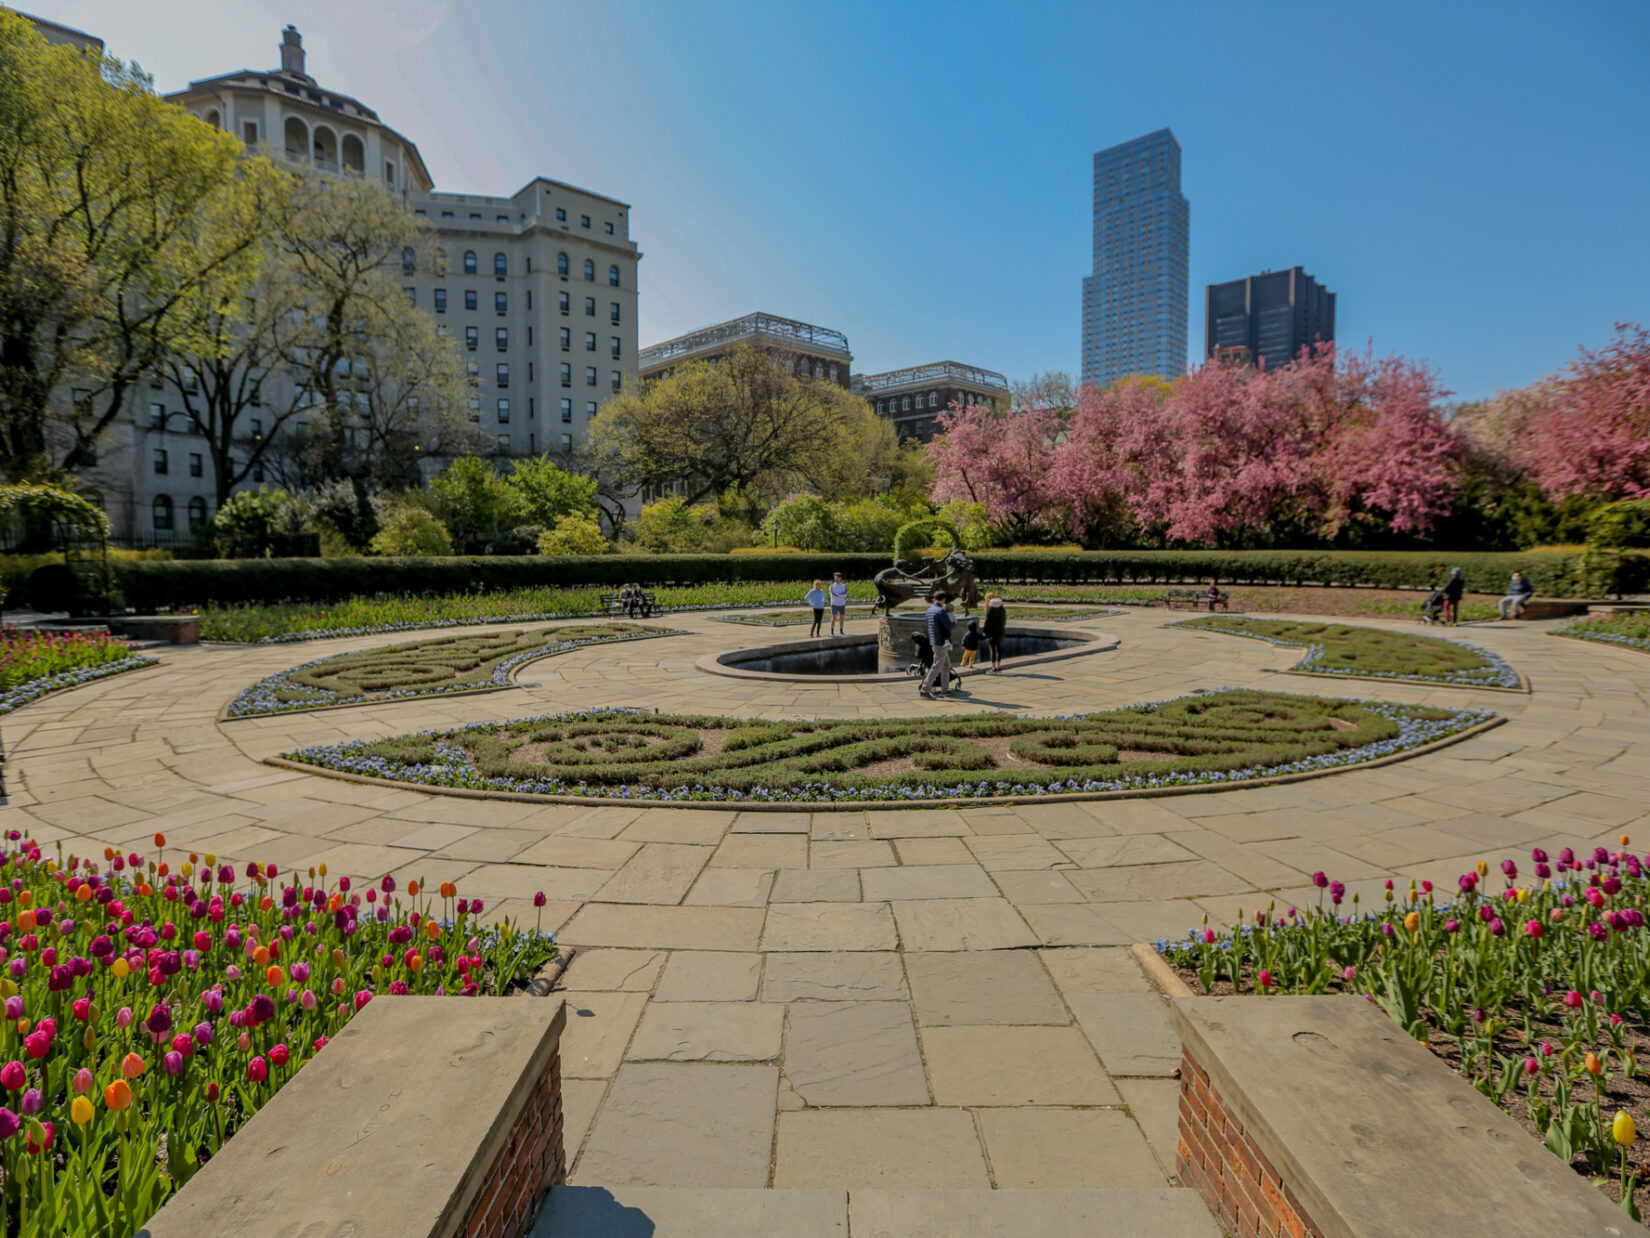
(861, 659)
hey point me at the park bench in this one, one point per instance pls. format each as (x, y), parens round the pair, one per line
(642, 601)
(1191, 599)
(1549, 608)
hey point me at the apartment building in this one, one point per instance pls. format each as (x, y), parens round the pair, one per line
(913, 397)
(812, 352)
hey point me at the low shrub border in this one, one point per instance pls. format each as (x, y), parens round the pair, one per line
(447, 666)
(1235, 737)
(1538, 993)
(1629, 630)
(1373, 653)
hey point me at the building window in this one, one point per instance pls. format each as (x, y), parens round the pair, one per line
(469, 298)
(195, 464)
(258, 471)
(412, 296)
(566, 375)
(561, 214)
(615, 344)
(197, 512)
(590, 409)
(613, 313)
(504, 444)
(469, 261)
(905, 406)
(567, 411)
(584, 221)
(566, 339)
(567, 442)
(160, 460)
(409, 260)
(608, 228)
(613, 276)
(503, 219)
(565, 303)
(501, 337)
(500, 266)
(503, 375)
(532, 411)
(529, 364)
(532, 444)
(590, 376)
(441, 300)
(157, 415)
(833, 372)
(446, 214)
(471, 336)
(475, 374)
(589, 341)
(504, 412)
(163, 513)
(590, 270)
(191, 384)
(590, 307)
(249, 130)
(618, 380)
(933, 399)
(475, 214)
(561, 264)
(501, 302)
(475, 408)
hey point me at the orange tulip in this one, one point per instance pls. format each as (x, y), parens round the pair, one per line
(449, 889)
(146, 889)
(1594, 1066)
(337, 957)
(108, 853)
(118, 1095)
(260, 956)
(131, 1066)
(1412, 921)
(415, 964)
(25, 921)
(412, 889)
(160, 840)
(274, 975)
(83, 894)
(432, 930)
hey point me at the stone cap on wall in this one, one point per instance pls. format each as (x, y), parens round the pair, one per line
(386, 1133)
(1376, 1136)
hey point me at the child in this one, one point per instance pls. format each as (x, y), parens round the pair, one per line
(815, 597)
(971, 642)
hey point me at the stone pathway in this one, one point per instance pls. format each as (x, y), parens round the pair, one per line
(853, 1006)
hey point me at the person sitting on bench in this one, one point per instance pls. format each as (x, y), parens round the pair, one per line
(1214, 596)
(1519, 592)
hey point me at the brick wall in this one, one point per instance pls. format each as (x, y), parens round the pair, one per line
(531, 1161)
(1218, 1157)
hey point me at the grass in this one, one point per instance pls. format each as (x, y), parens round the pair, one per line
(438, 667)
(1630, 628)
(791, 618)
(1370, 653)
(1216, 738)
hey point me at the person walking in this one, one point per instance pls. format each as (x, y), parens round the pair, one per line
(839, 605)
(815, 597)
(996, 623)
(940, 624)
(1519, 591)
(1454, 587)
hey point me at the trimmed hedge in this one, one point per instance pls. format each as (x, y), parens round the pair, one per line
(178, 583)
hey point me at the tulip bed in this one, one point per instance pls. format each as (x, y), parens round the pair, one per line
(1629, 628)
(34, 663)
(150, 1010)
(1212, 738)
(446, 665)
(1371, 653)
(1538, 992)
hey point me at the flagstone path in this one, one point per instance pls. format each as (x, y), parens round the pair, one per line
(846, 1006)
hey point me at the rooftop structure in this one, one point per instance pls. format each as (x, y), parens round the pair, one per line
(817, 352)
(913, 397)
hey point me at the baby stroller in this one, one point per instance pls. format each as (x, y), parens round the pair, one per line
(1432, 610)
(925, 658)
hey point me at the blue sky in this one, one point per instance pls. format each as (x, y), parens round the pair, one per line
(1472, 179)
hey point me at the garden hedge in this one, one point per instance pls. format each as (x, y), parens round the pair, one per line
(158, 585)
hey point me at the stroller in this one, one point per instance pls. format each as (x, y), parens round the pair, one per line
(925, 658)
(1432, 610)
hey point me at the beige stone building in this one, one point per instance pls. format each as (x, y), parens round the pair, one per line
(812, 352)
(538, 290)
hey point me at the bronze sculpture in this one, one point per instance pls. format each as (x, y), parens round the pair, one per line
(954, 575)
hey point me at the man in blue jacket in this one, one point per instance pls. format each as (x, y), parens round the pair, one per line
(940, 624)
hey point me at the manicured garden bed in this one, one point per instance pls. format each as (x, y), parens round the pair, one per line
(1371, 653)
(1537, 991)
(440, 667)
(155, 1002)
(1629, 628)
(791, 618)
(1207, 739)
(35, 663)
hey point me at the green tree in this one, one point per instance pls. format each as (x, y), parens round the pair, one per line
(409, 530)
(248, 524)
(549, 492)
(671, 526)
(805, 521)
(476, 503)
(116, 209)
(576, 533)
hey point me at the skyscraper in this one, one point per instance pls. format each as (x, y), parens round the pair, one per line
(1134, 304)
(1272, 315)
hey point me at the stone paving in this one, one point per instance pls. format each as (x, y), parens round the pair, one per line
(864, 1000)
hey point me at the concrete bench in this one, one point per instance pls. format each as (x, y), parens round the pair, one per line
(1318, 1116)
(426, 1117)
(1549, 608)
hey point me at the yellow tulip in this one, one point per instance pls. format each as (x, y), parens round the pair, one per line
(211, 858)
(1523, 894)
(1622, 1129)
(1483, 869)
(121, 969)
(1412, 921)
(80, 1112)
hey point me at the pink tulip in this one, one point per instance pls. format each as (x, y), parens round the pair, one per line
(257, 1070)
(82, 1081)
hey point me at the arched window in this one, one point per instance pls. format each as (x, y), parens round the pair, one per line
(469, 262)
(613, 276)
(933, 399)
(163, 513)
(561, 264)
(500, 265)
(197, 512)
(907, 405)
(297, 138)
(212, 119)
(589, 270)
(352, 154)
(325, 148)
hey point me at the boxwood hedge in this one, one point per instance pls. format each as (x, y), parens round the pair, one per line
(160, 585)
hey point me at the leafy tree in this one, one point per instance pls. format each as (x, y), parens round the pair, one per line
(1054, 390)
(744, 422)
(476, 503)
(549, 492)
(118, 210)
(248, 524)
(807, 522)
(576, 533)
(671, 526)
(410, 530)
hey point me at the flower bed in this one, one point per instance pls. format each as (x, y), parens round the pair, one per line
(791, 618)
(1539, 993)
(150, 1011)
(1215, 739)
(35, 663)
(1370, 653)
(1629, 628)
(438, 667)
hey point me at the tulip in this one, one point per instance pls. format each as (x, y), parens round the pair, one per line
(82, 1080)
(118, 1096)
(13, 1077)
(47, 1133)
(1594, 1066)
(280, 1055)
(31, 1102)
(9, 1124)
(173, 1061)
(1531, 1066)
(1534, 929)
(1622, 1130)
(1265, 979)
(257, 1070)
(1412, 921)
(132, 1066)
(1572, 999)
(80, 1111)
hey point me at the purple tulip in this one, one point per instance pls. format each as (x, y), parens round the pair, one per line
(173, 1061)
(9, 1124)
(31, 1102)
(1319, 880)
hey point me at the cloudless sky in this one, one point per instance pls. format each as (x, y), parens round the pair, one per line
(1471, 178)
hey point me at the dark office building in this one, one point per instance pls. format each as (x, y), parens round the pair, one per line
(1272, 315)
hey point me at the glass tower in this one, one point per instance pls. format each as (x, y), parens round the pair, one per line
(1134, 304)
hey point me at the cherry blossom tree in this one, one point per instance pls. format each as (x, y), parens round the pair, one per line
(1001, 460)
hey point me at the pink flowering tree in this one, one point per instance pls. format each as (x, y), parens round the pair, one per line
(1000, 460)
